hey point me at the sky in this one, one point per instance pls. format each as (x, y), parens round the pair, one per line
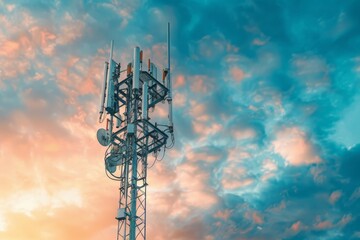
(266, 111)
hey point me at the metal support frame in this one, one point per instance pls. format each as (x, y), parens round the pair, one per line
(128, 151)
(134, 137)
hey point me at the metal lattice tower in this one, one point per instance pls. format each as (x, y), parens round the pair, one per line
(130, 135)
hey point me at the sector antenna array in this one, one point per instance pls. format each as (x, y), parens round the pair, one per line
(130, 135)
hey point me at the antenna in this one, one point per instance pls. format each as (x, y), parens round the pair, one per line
(103, 137)
(103, 89)
(136, 68)
(169, 84)
(127, 102)
(110, 82)
(145, 101)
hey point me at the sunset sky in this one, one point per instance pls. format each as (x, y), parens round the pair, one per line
(266, 112)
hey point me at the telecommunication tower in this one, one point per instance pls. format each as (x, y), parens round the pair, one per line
(130, 135)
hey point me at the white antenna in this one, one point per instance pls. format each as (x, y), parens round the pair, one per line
(145, 101)
(103, 137)
(112, 161)
(168, 82)
(103, 89)
(152, 70)
(136, 68)
(110, 82)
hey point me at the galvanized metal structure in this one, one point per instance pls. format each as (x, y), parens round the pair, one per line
(130, 135)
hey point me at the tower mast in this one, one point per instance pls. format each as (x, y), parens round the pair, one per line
(130, 135)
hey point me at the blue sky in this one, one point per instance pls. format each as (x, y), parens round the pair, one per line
(266, 111)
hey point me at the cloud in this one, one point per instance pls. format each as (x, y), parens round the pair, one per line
(9, 48)
(179, 81)
(334, 197)
(292, 145)
(296, 226)
(199, 84)
(237, 74)
(224, 215)
(323, 225)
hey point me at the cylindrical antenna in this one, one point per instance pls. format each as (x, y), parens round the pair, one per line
(145, 101)
(168, 80)
(103, 89)
(141, 60)
(168, 45)
(136, 73)
(141, 56)
(169, 85)
(151, 69)
(110, 83)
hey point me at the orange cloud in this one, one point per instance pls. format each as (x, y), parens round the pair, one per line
(10, 7)
(70, 30)
(206, 129)
(269, 165)
(237, 74)
(224, 215)
(198, 111)
(257, 218)
(10, 49)
(237, 154)
(292, 145)
(203, 156)
(212, 46)
(233, 184)
(44, 39)
(335, 196)
(42, 200)
(242, 134)
(323, 225)
(179, 99)
(181, 195)
(77, 77)
(13, 68)
(160, 175)
(345, 220)
(198, 84)
(179, 81)
(296, 226)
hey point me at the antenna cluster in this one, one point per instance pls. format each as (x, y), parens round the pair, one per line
(130, 135)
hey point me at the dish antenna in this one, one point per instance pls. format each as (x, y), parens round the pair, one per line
(103, 137)
(112, 161)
